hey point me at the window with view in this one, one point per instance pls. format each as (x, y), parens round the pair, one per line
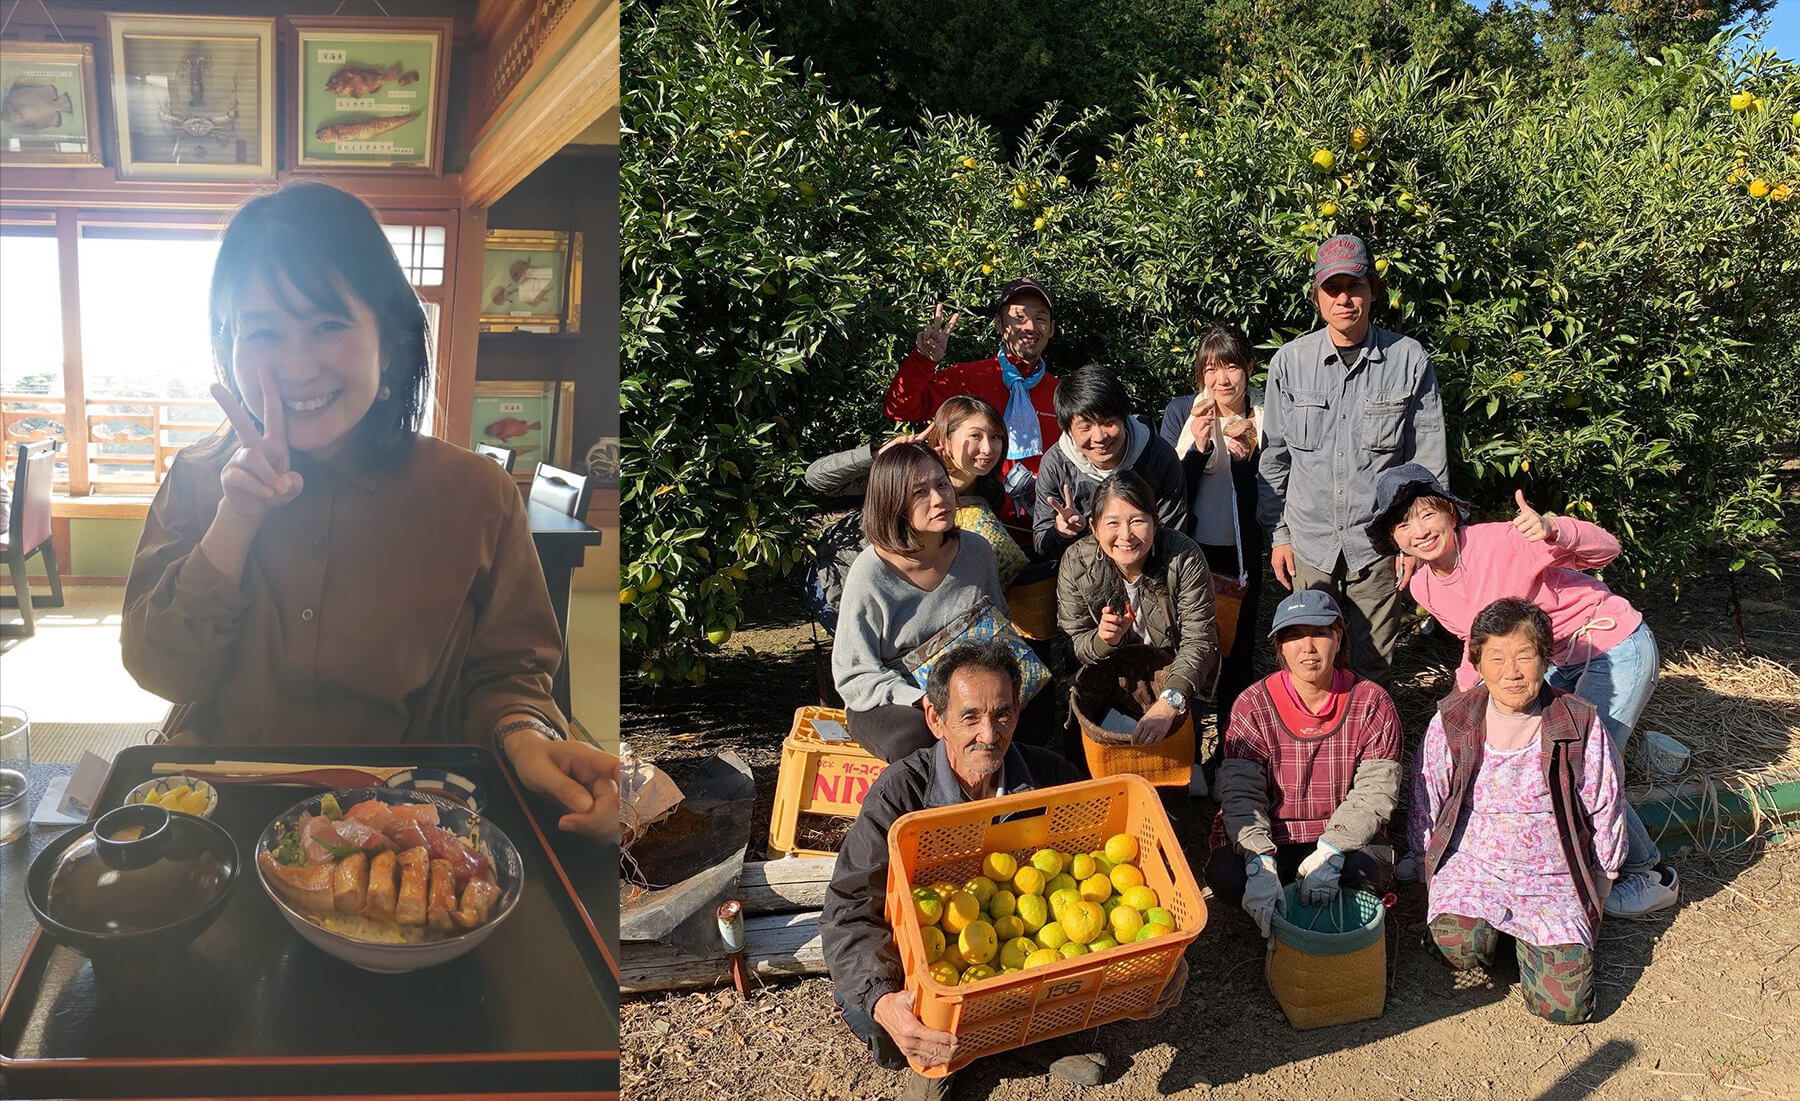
(31, 347)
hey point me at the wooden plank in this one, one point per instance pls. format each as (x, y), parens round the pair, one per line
(460, 321)
(783, 886)
(75, 420)
(777, 946)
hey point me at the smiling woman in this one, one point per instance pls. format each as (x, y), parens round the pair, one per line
(322, 572)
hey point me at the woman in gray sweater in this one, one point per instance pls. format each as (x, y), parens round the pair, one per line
(916, 577)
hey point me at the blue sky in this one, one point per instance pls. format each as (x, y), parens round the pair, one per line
(1783, 35)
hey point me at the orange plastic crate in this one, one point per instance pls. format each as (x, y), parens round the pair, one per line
(1010, 1011)
(817, 777)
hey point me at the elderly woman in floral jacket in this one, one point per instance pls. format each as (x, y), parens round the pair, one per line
(1135, 581)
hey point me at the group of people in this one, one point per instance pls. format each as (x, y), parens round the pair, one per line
(324, 573)
(1336, 473)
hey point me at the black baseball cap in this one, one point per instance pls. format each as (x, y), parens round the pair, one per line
(1019, 287)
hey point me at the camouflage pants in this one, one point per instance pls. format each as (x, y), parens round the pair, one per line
(1556, 981)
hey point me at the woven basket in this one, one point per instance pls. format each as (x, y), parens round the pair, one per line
(1033, 608)
(1328, 965)
(1128, 681)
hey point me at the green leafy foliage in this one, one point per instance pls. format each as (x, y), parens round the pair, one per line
(1607, 277)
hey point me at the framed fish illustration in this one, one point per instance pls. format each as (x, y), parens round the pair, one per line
(531, 281)
(193, 96)
(534, 419)
(51, 112)
(371, 94)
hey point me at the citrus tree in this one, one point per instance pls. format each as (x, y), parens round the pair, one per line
(1607, 278)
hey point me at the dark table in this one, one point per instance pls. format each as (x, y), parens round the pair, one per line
(562, 542)
(591, 868)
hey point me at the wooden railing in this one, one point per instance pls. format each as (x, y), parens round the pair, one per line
(130, 442)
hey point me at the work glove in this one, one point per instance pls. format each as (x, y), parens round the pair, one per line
(1262, 890)
(1319, 875)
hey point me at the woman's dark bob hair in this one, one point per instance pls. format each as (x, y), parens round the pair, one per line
(1128, 486)
(1225, 343)
(1502, 618)
(312, 244)
(887, 503)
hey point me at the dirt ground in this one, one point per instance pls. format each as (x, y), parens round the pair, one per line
(1703, 1002)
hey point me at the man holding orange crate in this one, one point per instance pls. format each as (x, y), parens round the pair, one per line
(971, 706)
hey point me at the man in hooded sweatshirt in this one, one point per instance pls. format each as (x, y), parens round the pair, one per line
(1099, 436)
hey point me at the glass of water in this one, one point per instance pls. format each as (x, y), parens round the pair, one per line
(15, 766)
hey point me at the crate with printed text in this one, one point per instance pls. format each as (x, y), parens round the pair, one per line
(819, 776)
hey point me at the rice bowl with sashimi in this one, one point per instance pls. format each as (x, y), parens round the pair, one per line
(389, 880)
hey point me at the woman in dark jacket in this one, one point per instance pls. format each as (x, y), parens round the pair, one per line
(1132, 580)
(1216, 432)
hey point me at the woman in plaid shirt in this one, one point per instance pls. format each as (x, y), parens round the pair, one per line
(1311, 772)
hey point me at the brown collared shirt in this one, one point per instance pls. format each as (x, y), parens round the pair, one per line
(383, 605)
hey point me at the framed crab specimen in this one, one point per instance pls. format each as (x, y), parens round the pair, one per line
(193, 96)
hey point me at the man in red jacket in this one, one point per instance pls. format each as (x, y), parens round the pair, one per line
(1013, 380)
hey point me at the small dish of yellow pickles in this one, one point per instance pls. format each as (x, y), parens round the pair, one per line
(178, 794)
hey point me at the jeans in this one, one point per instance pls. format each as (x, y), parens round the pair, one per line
(1619, 682)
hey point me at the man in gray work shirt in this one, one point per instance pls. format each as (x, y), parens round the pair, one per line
(1344, 403)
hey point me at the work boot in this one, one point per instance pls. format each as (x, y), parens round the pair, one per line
(917, 1087)
(1644, 893)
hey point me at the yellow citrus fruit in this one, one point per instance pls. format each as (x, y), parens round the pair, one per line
(627, 595)
(934, 943)
(968, 162)
(1381, 265)
(977, 943)
(1002, 904)
(1156, 915)
(1326, 210)
(1052, 935)
(1048, 861)
(1459, 343)
(977, 973)
(1037, 222)
(1780, 193)
(1061, 900)
(953, 956)
(194, 802)
(1015, 951)
(1126, 876)
(1324, 159)
(1797, 118)
(1139, 897)
(1071, 950)
(999, 867)
(1572, 401)
(1096, 888)
(1760, 104)
(1061, 882)
(1125, 922)
(1082, 866)
(1102, 943)
(1152, 930)
(1742, 101)
(982, 888)
(1008, 927)
(944, 889)
(1759, 188)
(1102, 865)
(1028, 881)
(927, 905)
(1033, 912)
(962, 910)
(945, 973)
(1359, 139)
(1043, 957)
(1083, 921)
(653, 582)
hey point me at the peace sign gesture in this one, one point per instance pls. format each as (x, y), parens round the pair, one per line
(1069, 520)
(257, 478)
(1533, 525)
(934, 339)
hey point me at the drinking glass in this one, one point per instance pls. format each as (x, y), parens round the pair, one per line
(15, 764)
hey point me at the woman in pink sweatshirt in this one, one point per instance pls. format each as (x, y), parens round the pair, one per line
(1603, 650)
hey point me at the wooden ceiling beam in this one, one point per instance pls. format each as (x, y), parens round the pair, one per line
(571, 82)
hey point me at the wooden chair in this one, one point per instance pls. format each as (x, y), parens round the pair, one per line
(502, 455)
(28, 533)
(563, 490)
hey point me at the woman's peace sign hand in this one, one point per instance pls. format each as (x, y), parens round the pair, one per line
(1533, 525)
(257, 478)
(934, 339)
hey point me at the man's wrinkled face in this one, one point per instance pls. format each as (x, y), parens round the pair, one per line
(977, 723)
(1343, 302)
(1025, 328)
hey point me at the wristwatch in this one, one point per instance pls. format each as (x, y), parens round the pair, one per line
(1174, 699)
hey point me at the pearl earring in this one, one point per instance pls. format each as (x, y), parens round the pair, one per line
(383, 394)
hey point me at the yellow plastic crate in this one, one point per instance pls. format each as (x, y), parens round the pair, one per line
(817, 777)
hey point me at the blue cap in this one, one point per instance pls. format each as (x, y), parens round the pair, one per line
(1305, 608)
